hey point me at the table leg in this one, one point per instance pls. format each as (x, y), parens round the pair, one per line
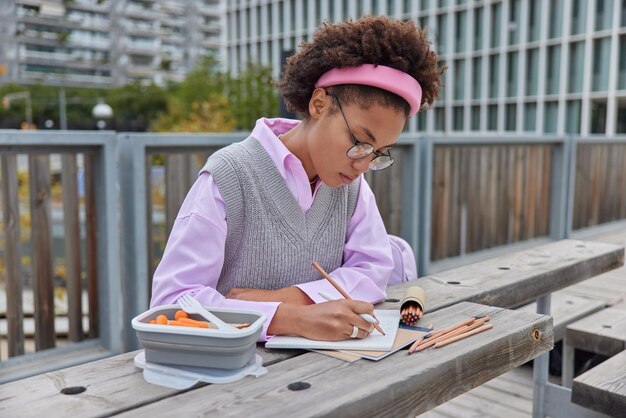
(567, 367)
(541, 367)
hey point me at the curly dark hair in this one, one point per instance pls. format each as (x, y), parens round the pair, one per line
(369, 40)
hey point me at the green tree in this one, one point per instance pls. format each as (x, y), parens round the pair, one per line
(136, 106)
(251, 95)
(207, 90)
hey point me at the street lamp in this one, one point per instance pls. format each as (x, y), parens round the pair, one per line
(101, 112)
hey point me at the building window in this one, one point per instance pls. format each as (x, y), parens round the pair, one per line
(620, 126)
(457, 118)
(496, 16)
(440, 119)
(477, 77)
(421, 121)
(534, 21)
(514, 21)
(572, 117)
(555, 22)
(601, 58)
(492, 117)
(553, 69)
(424, 23)
(475, 118)
(511, 117)
(579, 16)
(604, 9)
(576, 56)
(459, 79)
(511, 79)
(442, 30)
(532, 71)
(621, 79)
(530, 117)
(551, 115)
(478, 29)
(460, 31)
(292, 5)
(494, 71)
(598, 116)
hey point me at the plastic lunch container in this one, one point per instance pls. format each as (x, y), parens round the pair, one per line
(199, 347)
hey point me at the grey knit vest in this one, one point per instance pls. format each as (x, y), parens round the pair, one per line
(270, 240)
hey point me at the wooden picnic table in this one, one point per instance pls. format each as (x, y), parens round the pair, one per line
(400, 385)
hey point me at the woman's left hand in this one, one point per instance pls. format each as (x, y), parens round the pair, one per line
(290, 294)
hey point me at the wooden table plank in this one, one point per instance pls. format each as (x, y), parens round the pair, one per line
(565, 309)
(603, 332)
(515, 279)
(603, 388)
(113, 384)
(401, 385)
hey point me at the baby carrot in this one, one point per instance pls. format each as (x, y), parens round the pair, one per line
(182, 324)
(152, 321)
(161, 319)
(200, 324)
(180, 314)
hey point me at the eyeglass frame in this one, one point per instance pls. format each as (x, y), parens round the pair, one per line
(356, 142)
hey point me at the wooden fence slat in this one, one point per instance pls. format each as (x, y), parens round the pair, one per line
(149, 218)
(503, 191)
(176, 186)
(39, 168)
(69, 171)
(12, 254)
(91, 217)
(455, 204)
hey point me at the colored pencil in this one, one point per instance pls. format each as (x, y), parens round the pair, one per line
(464, 335)
(339, 289)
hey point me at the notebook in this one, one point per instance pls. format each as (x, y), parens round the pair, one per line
(389, 320)
(404, 337)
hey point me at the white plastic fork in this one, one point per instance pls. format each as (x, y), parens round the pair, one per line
(190, 305)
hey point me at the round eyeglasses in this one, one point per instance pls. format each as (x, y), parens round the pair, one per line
(363, 149)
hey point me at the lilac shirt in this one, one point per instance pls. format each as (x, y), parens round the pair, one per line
(194, 254)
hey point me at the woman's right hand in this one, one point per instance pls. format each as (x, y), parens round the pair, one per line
(327, 321)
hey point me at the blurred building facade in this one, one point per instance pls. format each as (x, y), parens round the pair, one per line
(104, 43)
(518, 66)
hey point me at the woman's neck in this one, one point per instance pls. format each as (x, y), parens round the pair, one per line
(296, 142)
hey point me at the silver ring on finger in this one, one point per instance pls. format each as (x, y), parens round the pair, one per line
(355, 331)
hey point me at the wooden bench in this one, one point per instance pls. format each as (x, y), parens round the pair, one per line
(603, 388)
(602, 333)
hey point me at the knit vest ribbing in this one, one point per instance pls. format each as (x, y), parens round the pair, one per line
(271, 241)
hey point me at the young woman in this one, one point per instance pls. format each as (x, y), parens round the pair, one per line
(293, 192)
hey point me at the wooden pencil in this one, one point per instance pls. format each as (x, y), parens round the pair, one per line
(432, 336)
(464, 335)
(416, 343)
(340, 290)
(432, 341)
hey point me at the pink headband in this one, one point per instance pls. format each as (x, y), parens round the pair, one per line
(380, 76)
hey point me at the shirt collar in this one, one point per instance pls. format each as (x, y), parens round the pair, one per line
(266, 131)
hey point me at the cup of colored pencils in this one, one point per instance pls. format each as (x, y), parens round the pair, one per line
(453, 333)
(412, 305)
(410, 313)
